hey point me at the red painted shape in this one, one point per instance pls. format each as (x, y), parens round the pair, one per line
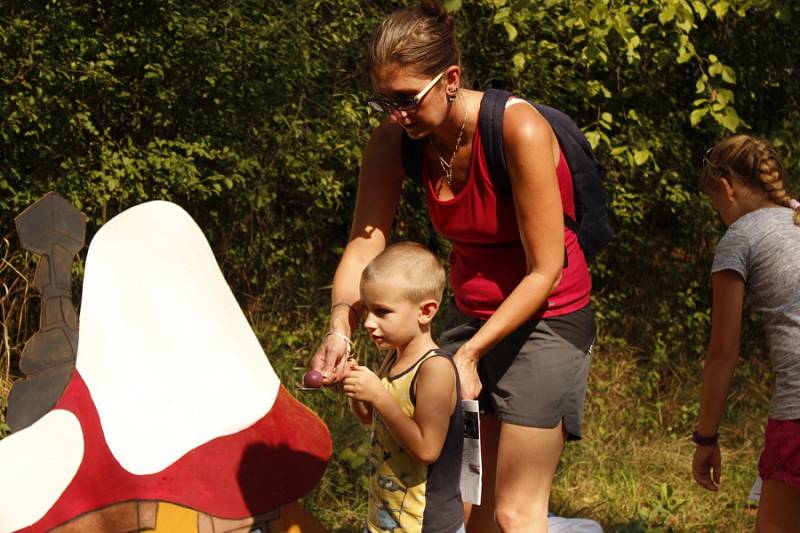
(277, 460)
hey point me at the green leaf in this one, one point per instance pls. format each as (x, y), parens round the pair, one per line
(594, 138)
(519, 61)
(728, 74)
(502, 15)
(697, 115)
(724, 96)
(510, 30)
(640, 157)
(618, 150)
(730, 119)
(666, 15)
(452, 5)
(700, 85)
(720, 9)
(700, 8)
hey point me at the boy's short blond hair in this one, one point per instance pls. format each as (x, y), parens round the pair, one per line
(415, 264)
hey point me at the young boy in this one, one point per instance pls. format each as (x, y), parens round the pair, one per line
(413, 402)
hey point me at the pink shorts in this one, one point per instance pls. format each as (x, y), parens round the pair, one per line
(780, 459)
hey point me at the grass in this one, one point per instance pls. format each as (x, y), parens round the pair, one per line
(16, 301)
(631, 472)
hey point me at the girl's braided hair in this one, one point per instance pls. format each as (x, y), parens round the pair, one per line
(754, 163)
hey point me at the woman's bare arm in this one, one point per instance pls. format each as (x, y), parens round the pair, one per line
(379, 187)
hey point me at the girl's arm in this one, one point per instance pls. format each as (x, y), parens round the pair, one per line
(723, 354)
(379, 186)
(531, 150)
(423, 436)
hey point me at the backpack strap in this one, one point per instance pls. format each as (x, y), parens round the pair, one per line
(490, 122)
(493, 107)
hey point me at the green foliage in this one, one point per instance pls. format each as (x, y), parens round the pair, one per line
(633, 474)
(247, 115)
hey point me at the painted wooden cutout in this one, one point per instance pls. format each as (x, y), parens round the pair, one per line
(172, 400)
(56, 231)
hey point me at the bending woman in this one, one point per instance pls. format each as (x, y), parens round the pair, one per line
(521, 328)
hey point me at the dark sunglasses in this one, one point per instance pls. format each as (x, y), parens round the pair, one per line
(408, 103)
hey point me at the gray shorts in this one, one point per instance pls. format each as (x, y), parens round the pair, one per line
(537, 375)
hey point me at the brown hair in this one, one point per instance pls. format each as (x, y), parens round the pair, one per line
(416, 265)
(753, 162)
(423, 39)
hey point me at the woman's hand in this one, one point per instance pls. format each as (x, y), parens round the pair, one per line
(362, 384)
(466, 360)
(706, 466)
(330, 359)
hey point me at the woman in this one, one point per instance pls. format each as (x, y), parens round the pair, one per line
(521, 327)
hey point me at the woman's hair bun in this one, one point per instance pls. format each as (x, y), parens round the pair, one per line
(434, 9)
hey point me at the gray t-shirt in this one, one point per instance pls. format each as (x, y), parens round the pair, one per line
(763, 246)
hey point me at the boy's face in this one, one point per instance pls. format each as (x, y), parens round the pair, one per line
(391, 319)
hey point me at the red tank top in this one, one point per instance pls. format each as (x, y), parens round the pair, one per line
(487, 260)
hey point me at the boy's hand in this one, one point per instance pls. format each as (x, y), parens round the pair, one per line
(362, 384)
(706, 466)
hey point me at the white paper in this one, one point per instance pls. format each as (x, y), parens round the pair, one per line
(471, 462)
(755, 491)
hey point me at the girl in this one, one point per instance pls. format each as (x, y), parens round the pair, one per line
(521, 326)
(755, 259)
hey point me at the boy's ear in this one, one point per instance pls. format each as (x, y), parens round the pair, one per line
(427, 310)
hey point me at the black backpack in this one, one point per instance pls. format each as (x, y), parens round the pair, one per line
(591, 221)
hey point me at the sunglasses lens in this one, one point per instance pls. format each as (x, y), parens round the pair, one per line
(379, 105)
(407, 104)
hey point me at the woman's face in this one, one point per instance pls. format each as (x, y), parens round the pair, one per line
(397, 85)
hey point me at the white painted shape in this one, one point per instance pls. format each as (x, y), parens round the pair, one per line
(557, 524)
(164, 348)
(37, 463)
(755, 490)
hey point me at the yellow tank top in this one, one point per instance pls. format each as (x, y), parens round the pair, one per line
(402, 488)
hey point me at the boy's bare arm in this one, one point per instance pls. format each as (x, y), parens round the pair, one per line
(423, 436)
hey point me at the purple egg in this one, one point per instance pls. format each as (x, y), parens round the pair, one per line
(312, 379)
